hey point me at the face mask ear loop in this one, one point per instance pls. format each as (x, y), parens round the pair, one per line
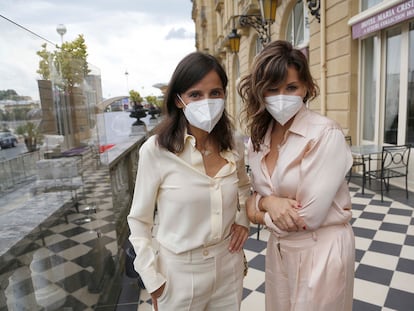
(181, 100)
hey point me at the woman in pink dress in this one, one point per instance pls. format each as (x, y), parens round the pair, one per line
(298, 160)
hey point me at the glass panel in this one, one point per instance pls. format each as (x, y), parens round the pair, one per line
(410, 92)
(62, 213)
(392, 85)
(370, 85)
(366, 4)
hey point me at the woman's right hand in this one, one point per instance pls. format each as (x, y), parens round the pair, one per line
(155, 295)
(284, 212)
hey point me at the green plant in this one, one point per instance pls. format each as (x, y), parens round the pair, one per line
(69, 61)
(31, 134)
(154, 101)
(135, 97)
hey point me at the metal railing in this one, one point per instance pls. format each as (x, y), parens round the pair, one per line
(18, 170)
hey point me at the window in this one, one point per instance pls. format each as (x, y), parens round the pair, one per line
(387, 86)
(366, 4)
(370, 90)
(392, 85)
(410, 87)
(297, 31)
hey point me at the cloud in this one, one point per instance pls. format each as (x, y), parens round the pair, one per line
(179, 33)
(146, 38)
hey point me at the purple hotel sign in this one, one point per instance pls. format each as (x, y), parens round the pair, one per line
(384, 19)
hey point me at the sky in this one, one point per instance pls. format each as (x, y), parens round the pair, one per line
(144, 38)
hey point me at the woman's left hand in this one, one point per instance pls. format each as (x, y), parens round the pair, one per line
(239, 235)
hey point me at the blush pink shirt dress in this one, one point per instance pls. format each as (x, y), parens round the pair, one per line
(311, 269)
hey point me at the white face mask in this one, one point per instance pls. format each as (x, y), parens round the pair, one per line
(204, 114)
(283, 107)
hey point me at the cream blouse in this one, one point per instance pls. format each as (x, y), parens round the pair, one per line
(313, 161)
(194, 209)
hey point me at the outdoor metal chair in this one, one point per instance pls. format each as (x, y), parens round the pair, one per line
(60, 174)
(394, 164)
(358, 161)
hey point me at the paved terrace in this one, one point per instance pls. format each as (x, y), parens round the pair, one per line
(70, 263)
(384, 267)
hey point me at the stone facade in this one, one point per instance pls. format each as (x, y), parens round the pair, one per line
(333, 55)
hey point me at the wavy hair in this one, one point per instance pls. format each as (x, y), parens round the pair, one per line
(269, 68)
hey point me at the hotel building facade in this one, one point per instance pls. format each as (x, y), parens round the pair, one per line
(361, 53)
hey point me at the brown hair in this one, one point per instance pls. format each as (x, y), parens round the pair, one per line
(270, 67)
(190, 70)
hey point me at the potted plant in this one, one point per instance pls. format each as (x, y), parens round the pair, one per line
(61, 90)
(31, 134)
(138, 110)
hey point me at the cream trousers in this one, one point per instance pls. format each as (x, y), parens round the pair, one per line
(312, 271)
(205, 279)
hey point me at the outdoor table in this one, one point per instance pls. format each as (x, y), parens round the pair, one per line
(366, 153)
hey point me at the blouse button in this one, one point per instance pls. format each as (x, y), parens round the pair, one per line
(205, 252)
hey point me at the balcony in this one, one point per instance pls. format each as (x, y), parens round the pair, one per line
(58, 250)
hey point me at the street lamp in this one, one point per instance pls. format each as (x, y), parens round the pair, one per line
(126, 76)
(261, 23)
(61, 30)
(234, 41)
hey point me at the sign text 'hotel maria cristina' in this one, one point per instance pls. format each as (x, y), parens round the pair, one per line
(386, 18)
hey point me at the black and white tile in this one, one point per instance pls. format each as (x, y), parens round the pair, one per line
(384, 266)
(54, 270)
(62, 267)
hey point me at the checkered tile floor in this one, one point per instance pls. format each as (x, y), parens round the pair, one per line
(384, 267)
(63, 267)
(55, 271)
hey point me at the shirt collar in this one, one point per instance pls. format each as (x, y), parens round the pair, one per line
(298, 127)
(189, 138)
(229, 155)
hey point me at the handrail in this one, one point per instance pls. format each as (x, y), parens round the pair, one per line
(17, 170)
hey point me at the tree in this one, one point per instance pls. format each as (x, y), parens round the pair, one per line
(8, 94)
(153, 100)
(45, 63)
(32, 135)
(4, 128)
(70, 62)
(135, 97)
(12, 95)
(20, 113)
(154, 106)
(66, 69)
